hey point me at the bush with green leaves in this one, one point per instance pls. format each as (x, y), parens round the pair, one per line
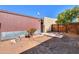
(68, 15)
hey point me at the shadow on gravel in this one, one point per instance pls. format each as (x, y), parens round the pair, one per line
(66, 45)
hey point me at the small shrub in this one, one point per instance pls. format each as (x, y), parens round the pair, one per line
(31, 31)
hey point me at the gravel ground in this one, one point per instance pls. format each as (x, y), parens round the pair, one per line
(67, 45)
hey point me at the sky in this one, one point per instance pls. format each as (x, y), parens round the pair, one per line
(38, 11)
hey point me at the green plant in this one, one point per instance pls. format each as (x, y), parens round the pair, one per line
(67, 16)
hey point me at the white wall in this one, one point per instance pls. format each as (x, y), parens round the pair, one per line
(48, 22)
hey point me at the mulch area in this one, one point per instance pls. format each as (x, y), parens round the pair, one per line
(66, 45)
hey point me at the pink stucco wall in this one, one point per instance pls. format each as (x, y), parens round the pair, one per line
(11, 22)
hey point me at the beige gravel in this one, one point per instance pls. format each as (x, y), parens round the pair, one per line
(6, 47)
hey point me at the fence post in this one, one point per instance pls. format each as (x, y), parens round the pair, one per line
(76, 28)
(66, 26)
(58, 27)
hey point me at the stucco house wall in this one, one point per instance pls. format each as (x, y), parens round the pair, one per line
(13, 24)
(48, 22)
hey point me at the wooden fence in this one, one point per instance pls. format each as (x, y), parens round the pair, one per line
(70, 28)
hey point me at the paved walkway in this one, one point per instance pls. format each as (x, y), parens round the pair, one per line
(6, 47)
